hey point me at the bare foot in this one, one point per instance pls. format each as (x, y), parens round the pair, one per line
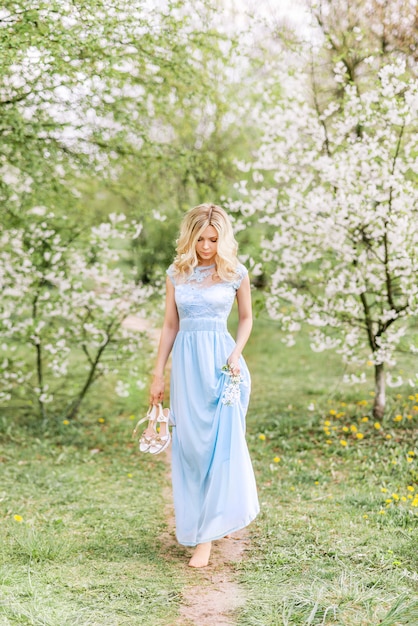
(201, 555)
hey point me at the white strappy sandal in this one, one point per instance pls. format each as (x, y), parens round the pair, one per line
(161, 441)
(149, 434)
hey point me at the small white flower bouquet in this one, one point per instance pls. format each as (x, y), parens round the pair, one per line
(232, 392)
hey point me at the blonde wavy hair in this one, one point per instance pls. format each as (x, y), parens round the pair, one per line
(194, 223)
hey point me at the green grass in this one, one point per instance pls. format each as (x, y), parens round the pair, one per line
(87, 550)
(326, 549)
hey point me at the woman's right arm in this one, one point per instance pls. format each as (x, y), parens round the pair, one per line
(168, 334)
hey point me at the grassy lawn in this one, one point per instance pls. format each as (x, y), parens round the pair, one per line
(336, 541)
(87, 550)
(81, 511)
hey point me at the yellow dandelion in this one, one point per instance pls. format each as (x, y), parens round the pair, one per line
(132, 417)
(388, 436)
(365, 517)
(343, 403)
(359, 435)
(343, 442)
(409, 459)
(397, 418)
(327, 423)
(365, 419)
(327, 432)
(262, 437)
(411, 453)
(129, 475)
(345, 429)
(372, 394)
(333, 412)
(362, 402)
(403, 498)
(328, 441)
(377, 425)
(353, 428)
(411, 398)
(18, 518)
(388, 500)
(382, 512)
(101, 420)
(334, 428)
(410, 488)
(317, 482)
(370, 363)
(394, 462)
(395, 496)
(277, 459)
(340, 414)
(398, 396)
(414, 502)
(383, 489)
(410, 497)
(66, 422)
(415, 407)
(409, 417)
(292, 488)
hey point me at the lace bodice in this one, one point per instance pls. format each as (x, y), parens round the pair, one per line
(203, 295)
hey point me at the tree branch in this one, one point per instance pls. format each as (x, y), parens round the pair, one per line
(317, 108)
(389, 282)
(92, 375)
(39, 364)
(369, 322)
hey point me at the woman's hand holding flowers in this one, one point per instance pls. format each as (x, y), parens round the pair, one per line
(233, 364)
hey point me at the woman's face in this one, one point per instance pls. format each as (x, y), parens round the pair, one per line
(207, 246)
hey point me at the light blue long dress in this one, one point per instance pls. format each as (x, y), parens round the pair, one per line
(213, 480)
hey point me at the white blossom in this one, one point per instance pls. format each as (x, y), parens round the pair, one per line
(340, 216)
(70, 306)
(122, 389)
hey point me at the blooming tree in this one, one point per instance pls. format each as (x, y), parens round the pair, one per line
(64, 298)
(338, 191)
(98, 88)
(94, 95)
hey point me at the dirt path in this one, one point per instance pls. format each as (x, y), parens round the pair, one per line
(212, 595)
(213, 599)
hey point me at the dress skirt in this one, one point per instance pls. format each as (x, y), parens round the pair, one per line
(213, 480)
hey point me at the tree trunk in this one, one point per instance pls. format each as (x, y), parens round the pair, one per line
(380, 397)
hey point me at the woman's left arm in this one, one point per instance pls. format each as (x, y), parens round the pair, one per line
(245, 323)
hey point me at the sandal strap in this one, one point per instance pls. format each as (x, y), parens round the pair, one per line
(141, 421)
(160, 438)
(148, 417)
(146, 438)
(161, 417)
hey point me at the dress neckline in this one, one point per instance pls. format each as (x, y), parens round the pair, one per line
(204, 267)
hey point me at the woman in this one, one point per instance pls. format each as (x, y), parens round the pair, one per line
(213, 481)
